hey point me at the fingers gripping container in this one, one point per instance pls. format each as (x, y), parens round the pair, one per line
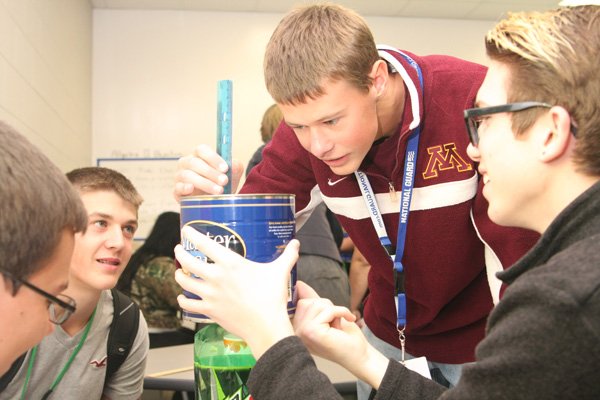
(258, 227)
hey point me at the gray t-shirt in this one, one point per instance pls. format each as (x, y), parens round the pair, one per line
(85, 377)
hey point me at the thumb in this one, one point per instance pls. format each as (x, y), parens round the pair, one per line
(289, 257)
(305, 292)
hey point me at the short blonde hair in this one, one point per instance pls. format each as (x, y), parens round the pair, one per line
(553, 57)
(92, 179)
(270, 121)
(316, 43)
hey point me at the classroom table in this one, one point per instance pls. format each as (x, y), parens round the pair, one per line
(172, 368)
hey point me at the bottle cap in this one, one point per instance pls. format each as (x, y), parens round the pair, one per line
(234, 343)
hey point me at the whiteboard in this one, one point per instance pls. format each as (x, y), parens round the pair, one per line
(154, 179)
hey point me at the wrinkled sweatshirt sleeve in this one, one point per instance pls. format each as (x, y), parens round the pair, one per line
(401, 383)
(288, 371)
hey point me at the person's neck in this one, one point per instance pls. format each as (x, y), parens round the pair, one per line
(87, 300)
(563, 191)
(390, 106)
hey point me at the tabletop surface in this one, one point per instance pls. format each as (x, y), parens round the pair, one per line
(177, 362)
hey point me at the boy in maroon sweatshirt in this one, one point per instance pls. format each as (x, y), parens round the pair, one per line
(350, 109)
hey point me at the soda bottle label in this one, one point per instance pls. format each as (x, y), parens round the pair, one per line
(222, 365)
(222, 384)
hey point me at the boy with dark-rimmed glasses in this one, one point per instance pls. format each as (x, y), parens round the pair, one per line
(39, 215)
(75, 360)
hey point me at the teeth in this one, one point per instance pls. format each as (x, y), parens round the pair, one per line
(485, 180)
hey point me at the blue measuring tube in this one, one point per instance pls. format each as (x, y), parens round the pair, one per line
(224, 93)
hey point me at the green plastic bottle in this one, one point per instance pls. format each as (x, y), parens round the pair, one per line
(222, 364)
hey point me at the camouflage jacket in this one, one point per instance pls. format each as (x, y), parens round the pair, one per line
(154, 289)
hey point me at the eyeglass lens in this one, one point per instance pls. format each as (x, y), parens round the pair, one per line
(59, 314)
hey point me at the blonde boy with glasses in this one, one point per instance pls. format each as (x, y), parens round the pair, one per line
(376, 133)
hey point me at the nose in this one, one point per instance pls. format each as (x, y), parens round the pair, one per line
(115, 238)
(320, 144)
(473, 152)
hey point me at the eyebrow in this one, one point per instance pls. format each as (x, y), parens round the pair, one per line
(291, 124)
(110, 217)
(321, 119)
(101, 215)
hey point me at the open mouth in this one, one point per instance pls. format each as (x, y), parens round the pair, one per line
(111, 261)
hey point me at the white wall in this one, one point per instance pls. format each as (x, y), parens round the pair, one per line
(45, 75)
(156, 72)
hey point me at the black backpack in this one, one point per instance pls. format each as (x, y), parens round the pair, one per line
(123, 330)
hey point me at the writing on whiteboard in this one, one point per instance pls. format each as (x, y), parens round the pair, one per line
(154, 179)
(145, 153)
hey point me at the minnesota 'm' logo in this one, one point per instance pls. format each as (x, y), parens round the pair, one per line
(444, 159)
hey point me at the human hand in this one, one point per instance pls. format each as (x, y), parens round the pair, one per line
(204, 172)
(329, 331)
(247, 298)
(359, 319)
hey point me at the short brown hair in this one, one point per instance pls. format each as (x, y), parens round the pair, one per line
(92, 179)
(37, 203)
(316, 43)
(553, 58)
(270, 121)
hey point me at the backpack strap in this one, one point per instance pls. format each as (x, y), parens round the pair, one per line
(123, 331)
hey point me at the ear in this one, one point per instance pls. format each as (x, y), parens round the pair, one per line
(556, 140)
(379, 74)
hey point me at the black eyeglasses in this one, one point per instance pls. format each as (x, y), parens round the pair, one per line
(473, 116)
(60, 307)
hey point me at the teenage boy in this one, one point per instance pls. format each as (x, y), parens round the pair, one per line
(40, 213)
(72, 362)
(350, 109)
(535, 135)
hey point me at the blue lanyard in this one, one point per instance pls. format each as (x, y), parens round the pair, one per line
(410, 161)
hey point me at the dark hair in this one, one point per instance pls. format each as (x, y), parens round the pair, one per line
(37, 203)
(161, 242)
